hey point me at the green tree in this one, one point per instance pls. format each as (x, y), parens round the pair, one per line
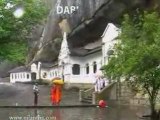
(137, 55)
(17, 18)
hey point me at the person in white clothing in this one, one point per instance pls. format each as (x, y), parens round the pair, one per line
(102, 83)
(106, 81)
(97, 84)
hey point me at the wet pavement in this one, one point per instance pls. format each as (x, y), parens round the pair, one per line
(120, 113)
(22, 94)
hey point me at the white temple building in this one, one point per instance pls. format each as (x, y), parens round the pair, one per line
(20, 74)
(74, 65)
(81, 64)
(38, 70)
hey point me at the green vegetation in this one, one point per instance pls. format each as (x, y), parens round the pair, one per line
(15, 29)
(137, 55)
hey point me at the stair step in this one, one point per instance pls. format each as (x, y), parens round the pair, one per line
(86, 101)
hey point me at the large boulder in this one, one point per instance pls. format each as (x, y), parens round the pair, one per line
(86, 24)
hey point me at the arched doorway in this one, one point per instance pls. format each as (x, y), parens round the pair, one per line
(33, 76)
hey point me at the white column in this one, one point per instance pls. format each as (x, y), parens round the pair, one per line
(99, 65)
(82, 70)
(12, 80)
(90, 68)
(29, 76)
(14, 76)
(17, 76)
(103, 54)
(22, 76)
(25, 76)
(11, 77)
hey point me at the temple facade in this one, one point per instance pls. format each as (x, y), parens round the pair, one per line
(80, 65)
(77, 65)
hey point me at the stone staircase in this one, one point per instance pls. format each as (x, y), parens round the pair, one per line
(86, 95)
(89, 96)
(115, 91)
(87, 100)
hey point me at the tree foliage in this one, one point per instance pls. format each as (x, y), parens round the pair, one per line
(137, 55)
(14, 31)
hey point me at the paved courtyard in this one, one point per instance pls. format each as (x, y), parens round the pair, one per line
(22, 94)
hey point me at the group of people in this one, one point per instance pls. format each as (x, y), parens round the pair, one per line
(100, 82)
(55, 93)
(56, 89)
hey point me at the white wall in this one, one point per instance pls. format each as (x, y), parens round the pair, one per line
(50, 73)
(108, 40)
(82, 61)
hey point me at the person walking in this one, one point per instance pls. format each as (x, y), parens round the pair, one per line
(100, 81)
(56, 90)
(56, 94)
(36, 92)
(52, 92)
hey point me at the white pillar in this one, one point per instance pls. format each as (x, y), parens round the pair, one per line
(29, 76)
(39, 70)
(14, 76)
(90, 68)
(103, 54)
(22, 76)
(11, 77)
(83, 68)
(99, 65)
(17, 76)
(25, 76)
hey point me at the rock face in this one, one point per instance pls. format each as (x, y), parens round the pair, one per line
(86, 24)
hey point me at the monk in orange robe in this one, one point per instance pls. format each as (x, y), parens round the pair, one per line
(56, 94)
(52, 92)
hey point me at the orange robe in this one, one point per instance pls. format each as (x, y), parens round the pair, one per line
(56, 94)
(52, 95)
